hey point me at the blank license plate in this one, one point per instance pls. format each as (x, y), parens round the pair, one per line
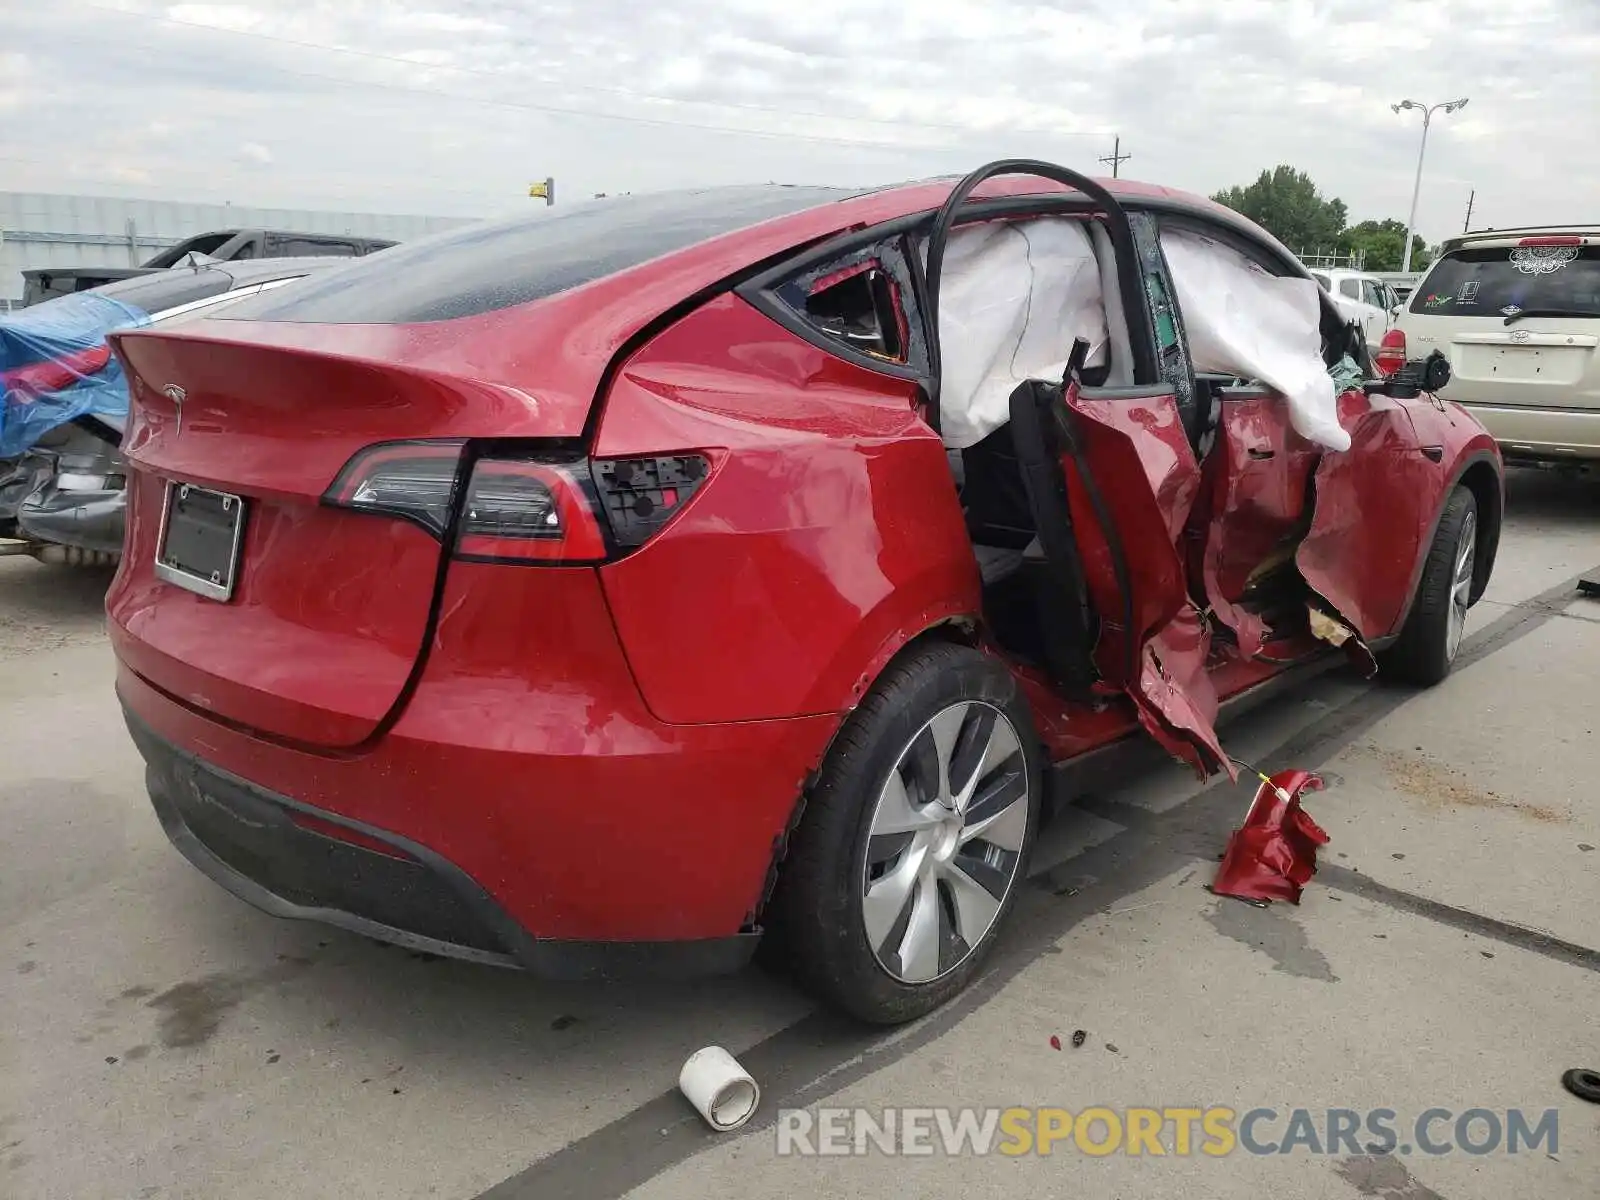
(201, 531)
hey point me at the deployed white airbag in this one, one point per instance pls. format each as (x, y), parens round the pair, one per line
(1014, 296)
(1241, 321)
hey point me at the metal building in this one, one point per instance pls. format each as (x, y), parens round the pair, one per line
(43, 230)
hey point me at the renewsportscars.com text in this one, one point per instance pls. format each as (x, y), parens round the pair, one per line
(1213, 1132)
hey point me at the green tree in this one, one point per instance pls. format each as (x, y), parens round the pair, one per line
(1383, 244)
(1288, 205)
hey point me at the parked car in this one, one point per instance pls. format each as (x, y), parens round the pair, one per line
(1517, 312)
(1363, 298)
(63, 399)
(590, 592)
(1401, 283)
(223, 245)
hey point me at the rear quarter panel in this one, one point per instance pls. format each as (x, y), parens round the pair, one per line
(828, 535)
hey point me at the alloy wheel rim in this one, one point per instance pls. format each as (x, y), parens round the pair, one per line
(1461, 584)
(945, 844)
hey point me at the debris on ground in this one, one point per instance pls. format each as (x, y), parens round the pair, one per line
(1583, 1084)
(722, 1091)
(1079, 1036)
(1273, 855)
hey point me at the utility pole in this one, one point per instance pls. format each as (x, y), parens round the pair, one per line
(1116, 158)
(1467, 224)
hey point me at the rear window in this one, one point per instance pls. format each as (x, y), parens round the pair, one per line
(1486, 281)
(498, 264)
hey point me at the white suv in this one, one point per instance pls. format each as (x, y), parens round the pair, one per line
(1517, 312)
(1360, 297)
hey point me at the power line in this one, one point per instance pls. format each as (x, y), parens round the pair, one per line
(620, 92)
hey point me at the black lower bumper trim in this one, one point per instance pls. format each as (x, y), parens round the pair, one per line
(248, 840)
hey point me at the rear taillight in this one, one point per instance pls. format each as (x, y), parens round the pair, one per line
(415, 481)
(1557, 240)
(521, 510)
(1391, 354)
(56, 374)
(528, 512)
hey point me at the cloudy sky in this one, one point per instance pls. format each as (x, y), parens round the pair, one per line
(451, 107)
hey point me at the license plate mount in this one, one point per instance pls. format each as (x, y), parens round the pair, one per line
(201, 532)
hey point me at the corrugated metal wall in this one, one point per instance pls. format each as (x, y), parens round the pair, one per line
(42, 230)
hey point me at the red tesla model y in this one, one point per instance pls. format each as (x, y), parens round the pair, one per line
(590, 591)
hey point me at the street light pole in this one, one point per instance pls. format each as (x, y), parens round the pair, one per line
(1449, 106)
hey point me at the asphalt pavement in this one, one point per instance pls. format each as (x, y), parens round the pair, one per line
(162, 1039)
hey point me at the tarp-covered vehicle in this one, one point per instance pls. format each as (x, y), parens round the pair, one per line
(64, 398)
(600, 590)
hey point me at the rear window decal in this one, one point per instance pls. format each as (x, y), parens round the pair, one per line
(1542, 260)
(1469, 292)
(1435, 300)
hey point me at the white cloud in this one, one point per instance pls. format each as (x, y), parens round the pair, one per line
(450, 106)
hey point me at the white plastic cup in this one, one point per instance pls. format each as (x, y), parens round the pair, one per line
(720, 1089)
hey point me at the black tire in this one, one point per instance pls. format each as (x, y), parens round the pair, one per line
(817, 911)
(1427, 647)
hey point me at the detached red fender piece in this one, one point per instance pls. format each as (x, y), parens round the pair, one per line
(1273, 855)
(1142, 472)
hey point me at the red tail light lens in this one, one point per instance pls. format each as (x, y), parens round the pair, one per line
(1391, 352)
(415, 481)
(1563, 240)
(520, 510)
(42, 378)
(528, 512)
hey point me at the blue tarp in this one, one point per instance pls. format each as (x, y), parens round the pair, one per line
(55, 366)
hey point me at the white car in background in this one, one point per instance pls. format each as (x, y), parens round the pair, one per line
(1517, 312)
(1361, 297)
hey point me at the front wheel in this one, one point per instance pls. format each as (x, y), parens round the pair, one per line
(914, 839)
(1431, 637)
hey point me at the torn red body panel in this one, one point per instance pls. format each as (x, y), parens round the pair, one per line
(1153, 643)
(1360, 561)
(1260, 470)
(1273, 855)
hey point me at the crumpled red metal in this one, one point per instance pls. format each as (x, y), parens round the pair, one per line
(1273, 855)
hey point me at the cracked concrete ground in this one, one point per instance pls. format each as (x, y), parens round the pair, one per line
(161, 1039)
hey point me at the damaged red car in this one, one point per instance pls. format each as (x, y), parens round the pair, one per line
(592, 591)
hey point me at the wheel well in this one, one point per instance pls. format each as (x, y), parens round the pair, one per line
(1483, 481)
(960, 631)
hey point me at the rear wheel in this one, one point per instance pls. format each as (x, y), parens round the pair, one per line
(1431, 637)
(914, 839)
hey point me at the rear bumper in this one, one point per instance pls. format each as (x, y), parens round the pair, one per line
(88, 520)
(292, 860)
(638, 850)
(1541, 434)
